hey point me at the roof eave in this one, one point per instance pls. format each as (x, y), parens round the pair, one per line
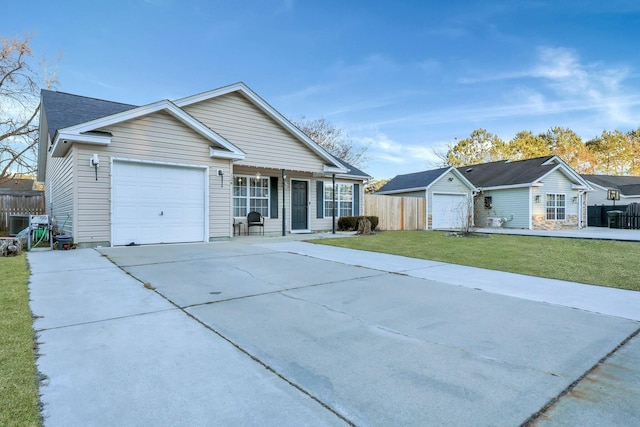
(64, 141)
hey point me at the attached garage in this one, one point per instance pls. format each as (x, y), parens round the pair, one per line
(158, 203)
(449, 211)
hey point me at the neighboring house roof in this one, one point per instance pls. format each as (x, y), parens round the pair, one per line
(627, 185)
(419, 181)
(522, 173)
(17, 184)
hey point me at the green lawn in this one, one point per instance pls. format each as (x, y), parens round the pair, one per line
(597, 262)
(19, 402)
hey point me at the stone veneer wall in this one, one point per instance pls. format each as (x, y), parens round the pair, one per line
(541, 223)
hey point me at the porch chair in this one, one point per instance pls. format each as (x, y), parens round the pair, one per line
(255, 219)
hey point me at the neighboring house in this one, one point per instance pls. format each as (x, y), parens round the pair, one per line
(628, 188)
(540, 193)
(17, 184)
(448, 193)
(181, 171)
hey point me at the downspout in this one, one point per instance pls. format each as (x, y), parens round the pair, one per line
(333, 183)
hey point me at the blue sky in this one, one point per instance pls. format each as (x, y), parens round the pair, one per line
(405, 77)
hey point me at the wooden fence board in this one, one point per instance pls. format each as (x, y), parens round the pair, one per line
(19, 203)
(397, 213)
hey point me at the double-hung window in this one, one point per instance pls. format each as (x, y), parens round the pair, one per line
(344, 199)
(250, 194)
(556, 207)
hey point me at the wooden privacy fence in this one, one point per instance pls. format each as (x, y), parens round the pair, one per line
(397, 213)
(19, 203)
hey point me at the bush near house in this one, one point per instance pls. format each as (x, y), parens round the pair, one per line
(350, 223)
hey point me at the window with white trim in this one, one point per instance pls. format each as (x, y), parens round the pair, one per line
(556, 207)
(250, 194)
(344, 199)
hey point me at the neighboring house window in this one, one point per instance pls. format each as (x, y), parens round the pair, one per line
(488, 202)
(250, 194)
(344, 199)
(556, 207)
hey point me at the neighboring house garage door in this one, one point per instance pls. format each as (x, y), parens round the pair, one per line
(154, 203)
(448, 211)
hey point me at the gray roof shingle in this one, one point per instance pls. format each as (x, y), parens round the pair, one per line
(64, 109)
(627, 185)
(505, 172)
(413, 180)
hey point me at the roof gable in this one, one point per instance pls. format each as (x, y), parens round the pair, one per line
(251, 96)
(419, 181)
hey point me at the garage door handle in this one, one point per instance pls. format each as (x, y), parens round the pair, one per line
(161, 213)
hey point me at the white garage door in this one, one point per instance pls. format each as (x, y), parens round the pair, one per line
(157, 203)
(449, 211)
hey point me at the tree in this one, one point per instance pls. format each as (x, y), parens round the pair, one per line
(374, 185)
(616, 153)
(480, 147)
(334, 140)
(567, 145)
(19, 94)
(526, 145)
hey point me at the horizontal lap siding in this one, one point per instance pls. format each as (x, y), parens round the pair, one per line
(160, 138)
(505, 203)
(556, 183)
(59, 195)
(266, 143)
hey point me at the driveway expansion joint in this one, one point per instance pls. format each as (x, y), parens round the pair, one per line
(531, 421)
(108, 319)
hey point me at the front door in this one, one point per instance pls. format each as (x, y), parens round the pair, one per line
(299, 205)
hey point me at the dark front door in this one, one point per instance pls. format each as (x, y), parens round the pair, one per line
(299, 205)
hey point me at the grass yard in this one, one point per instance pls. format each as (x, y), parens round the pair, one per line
(597, 262)
(19, 402)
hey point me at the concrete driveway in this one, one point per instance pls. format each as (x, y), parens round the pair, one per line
(291, 333)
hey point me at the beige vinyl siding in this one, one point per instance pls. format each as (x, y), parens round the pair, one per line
(505, 204)
(157, 138)
(266, 143)
(59, 191)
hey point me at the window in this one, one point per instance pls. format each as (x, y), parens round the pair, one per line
(556, 210)
(250, 194)
(344, 199)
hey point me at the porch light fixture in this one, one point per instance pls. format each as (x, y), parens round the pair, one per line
(575, 199)
(257, 175)
(537, 198)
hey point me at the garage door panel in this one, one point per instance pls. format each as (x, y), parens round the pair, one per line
(157, 203)
(449, 211)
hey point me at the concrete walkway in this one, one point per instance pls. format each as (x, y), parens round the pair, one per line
(598, 233)
(280, 332)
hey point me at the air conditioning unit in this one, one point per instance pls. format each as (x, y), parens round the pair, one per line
(17, 223)
(495, 222)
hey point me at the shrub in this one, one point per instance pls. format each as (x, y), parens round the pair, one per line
(350, 223)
